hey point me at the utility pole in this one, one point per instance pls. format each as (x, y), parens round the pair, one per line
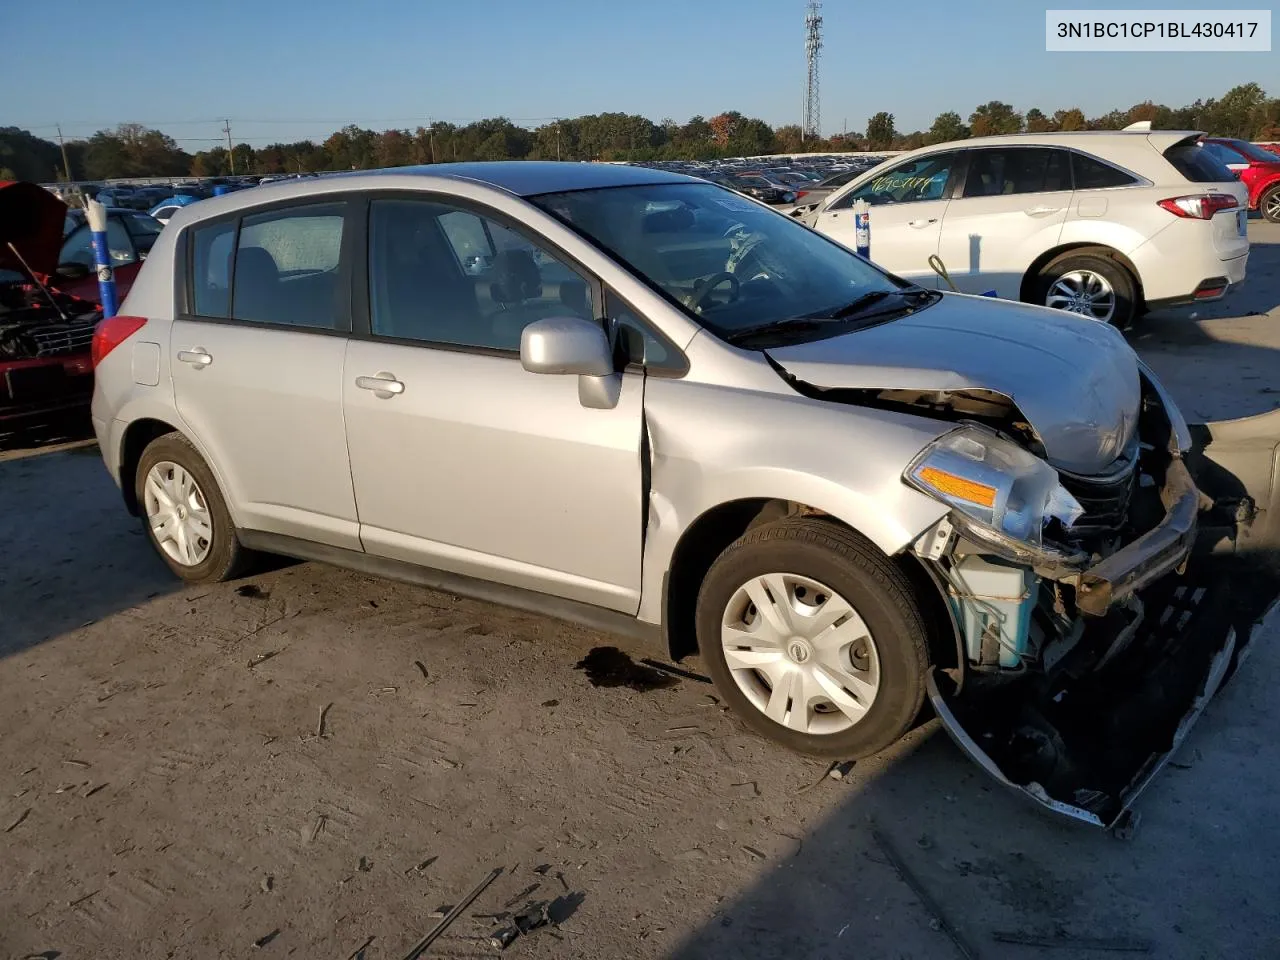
(66, 166)
(557, 138)
(231, 156)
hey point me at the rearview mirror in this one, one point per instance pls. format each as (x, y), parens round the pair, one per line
(72, 271)
(567, 345)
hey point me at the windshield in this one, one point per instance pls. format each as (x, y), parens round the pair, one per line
(730, 263)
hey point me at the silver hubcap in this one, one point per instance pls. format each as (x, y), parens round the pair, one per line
(1083, 292)
(1272, 209)
(800, 653)
(178, 514)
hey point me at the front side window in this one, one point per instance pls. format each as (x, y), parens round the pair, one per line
(440, 274)
(1016, 170)
(78, 248)
(287, 267)
(729, 263)
(924, 178)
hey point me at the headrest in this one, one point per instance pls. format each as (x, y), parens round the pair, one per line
(515, 277)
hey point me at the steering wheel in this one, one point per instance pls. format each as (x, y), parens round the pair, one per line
(696, 300)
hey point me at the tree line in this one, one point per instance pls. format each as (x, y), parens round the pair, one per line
(133, 150)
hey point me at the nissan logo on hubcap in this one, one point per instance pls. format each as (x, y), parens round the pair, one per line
(798, 651)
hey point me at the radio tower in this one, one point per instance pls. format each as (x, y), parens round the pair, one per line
(811, 128)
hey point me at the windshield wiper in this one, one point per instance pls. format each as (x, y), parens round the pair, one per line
(859, 304)
(787, 324)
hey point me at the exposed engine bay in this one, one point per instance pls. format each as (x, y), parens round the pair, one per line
(32, 328)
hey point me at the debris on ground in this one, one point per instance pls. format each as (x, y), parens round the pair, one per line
(92, 790)
(80, 900)
(264, 940)
(551, 703)
(522, 894)
(452, 915)
(358, 952)
(365, 865)
(418, 868)
(755, 787)
(1126, 827)
(324, 712)
(22, 816)
(262, 658)
(267, 883)
(937, 919)
(319, 826)
(758, 855)
(836, 770)
(252, 591)
(503, 937)
(533, 915)
(674, 670)
(422, 668)
(1068, 942)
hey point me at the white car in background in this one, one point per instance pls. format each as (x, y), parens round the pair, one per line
(1108, 225)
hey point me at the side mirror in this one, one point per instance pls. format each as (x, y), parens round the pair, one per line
(567, 345)
(71, 271)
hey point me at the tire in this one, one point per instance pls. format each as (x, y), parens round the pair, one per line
(801, 556)
(215, 557)
(1269, 204)
(1082, 272)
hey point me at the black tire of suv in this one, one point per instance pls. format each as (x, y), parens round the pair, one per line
(227, 559)
(1121, 280)
(877, 588)
(1268, 206)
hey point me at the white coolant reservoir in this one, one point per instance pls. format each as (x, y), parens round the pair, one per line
(993, 603)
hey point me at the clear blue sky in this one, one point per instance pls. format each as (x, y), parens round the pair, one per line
(288, 69)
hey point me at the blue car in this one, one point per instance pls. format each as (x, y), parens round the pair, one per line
(165, 209)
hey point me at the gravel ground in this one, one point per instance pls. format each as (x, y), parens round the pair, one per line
(314, 760)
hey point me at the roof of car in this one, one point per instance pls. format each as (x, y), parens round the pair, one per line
(1064, 138)
(527, 178)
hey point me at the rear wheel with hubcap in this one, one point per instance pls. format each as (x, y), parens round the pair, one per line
(1092, 286)
(184, 513)
(815, 638)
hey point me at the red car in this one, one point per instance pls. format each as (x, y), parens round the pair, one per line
(46, 367)
(1257, 168)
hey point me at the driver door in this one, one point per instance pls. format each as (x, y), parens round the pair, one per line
(908, 203)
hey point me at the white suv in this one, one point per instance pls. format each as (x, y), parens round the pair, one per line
(1104, 224)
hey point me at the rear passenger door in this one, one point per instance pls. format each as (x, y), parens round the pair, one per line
(464, 461)
(257, 358)
(1008, 210)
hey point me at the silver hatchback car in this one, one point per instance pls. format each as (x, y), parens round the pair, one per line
(641, 401)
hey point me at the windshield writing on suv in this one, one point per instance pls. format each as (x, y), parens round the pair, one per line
(730, 263)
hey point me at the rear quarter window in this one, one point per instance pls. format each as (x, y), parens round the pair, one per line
(1197, 164)
(1093, 174)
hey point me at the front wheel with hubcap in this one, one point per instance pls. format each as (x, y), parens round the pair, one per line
(1092, 286)
(815, 638)
(184, 513)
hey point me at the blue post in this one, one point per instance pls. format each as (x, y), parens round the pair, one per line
(97, 215)
(862, 228)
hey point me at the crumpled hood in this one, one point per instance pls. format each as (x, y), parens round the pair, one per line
(1075, 380)
(31, 219)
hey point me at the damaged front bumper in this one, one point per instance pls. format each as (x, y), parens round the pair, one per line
(1086, 744)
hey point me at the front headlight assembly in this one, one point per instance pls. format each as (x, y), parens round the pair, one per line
(995, 484)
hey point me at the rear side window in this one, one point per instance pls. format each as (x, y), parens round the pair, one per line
(211, 249)
(1223, 153)
(1092, 174)
(286, 267)
(1197, 164)
(995, 173)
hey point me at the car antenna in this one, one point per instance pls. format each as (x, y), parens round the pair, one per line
(43, 289)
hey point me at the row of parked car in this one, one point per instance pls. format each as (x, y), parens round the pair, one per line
(778, 181)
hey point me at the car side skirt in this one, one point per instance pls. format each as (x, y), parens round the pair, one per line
(517, 598)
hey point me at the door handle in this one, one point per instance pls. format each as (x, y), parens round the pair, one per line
(198, 357)
(1040, 211)
(920, 224)
(384, 385)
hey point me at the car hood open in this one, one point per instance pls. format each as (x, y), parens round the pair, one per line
(31, 219)
(1075, 380)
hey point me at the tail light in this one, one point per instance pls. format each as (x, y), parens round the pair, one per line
(801, 193)
(112, 332)
(1201, 206)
